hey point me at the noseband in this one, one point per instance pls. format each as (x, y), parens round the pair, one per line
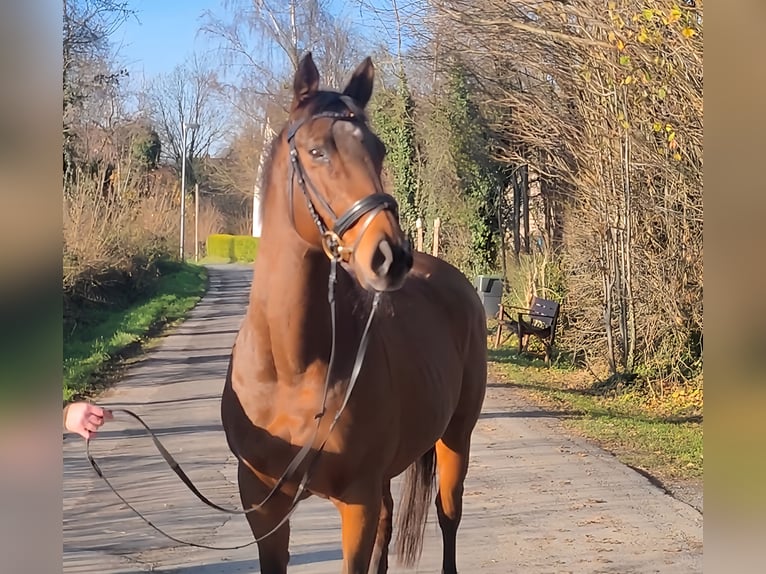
(332, 235)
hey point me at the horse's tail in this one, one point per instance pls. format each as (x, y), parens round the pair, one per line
(416, 496)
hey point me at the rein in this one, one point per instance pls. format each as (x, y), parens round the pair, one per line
(370, 205)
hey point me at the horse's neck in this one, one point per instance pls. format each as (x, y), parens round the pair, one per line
(288, 304)
(289, 308)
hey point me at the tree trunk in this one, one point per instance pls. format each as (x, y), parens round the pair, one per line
(516, 214)
(525, 205)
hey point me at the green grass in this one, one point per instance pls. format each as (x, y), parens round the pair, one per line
(659, 435)
(213, 260)
(102, 334)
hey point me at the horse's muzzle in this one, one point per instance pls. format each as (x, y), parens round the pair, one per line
(390, 263)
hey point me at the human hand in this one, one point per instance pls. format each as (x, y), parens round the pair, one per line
(85, 419)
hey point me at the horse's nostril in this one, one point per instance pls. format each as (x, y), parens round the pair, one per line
(382, 259)
(391, 261)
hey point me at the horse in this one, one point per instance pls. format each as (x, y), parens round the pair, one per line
(309, 333)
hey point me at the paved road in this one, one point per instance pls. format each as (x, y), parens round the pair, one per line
(537, 500)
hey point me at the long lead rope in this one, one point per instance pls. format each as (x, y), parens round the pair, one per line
(294, 464)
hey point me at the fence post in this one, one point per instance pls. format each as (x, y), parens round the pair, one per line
(437, 225)
(500, 318)
(419, 226)
(196, 222)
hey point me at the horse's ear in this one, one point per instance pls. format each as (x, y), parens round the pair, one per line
(360, 85)
(306, 80)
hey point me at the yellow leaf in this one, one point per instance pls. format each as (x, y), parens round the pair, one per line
(671, 136)
(657, 126)
(611, 36)
(675, 15)
(612, 5)
(628, 79)
(677, 156)
(620, 45)
(642, 37)
(648, 14)
(689, 32)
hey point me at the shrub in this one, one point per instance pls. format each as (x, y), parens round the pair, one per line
(245, 248)
(113, 232)
(233, 248)
(221, 245)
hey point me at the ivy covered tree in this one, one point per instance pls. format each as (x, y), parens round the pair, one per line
(479, 176)
(392, 115)
(145, 149)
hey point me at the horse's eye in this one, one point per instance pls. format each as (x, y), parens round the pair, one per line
(316, 153)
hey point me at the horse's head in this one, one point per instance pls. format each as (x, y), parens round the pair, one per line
(336, 198)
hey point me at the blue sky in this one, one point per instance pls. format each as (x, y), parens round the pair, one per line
(164, 33)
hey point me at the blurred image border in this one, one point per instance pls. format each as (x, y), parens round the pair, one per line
(735, 466)
(30, 286)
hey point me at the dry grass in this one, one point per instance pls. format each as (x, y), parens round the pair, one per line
(114, 230)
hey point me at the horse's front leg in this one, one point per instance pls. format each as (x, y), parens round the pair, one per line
(379, 563)
(273, 551)
(359, 508)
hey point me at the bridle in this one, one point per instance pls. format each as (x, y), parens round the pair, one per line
(370, 205)
(336, 251)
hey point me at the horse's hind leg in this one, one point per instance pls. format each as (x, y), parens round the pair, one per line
(273, 551)
(452, 452)
(379, 564)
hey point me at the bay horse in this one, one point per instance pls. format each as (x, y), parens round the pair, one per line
(422, 376)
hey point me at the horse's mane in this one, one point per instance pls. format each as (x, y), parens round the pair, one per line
(266, 175)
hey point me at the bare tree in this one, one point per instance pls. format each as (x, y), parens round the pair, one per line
(187, 95)
(263, 40)
(605, 106)
(87, 27)
(91, 82)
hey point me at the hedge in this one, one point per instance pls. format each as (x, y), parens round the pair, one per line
(245, 248)
(234, 248)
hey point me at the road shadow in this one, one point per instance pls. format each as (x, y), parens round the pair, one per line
(254, 565)
(104, 433)
(533, 414)
(124, 404)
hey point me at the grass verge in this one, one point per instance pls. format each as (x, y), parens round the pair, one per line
(658, 435)
(214, 260)
(104, 334)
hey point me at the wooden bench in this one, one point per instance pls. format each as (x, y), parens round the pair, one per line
(540, 321)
